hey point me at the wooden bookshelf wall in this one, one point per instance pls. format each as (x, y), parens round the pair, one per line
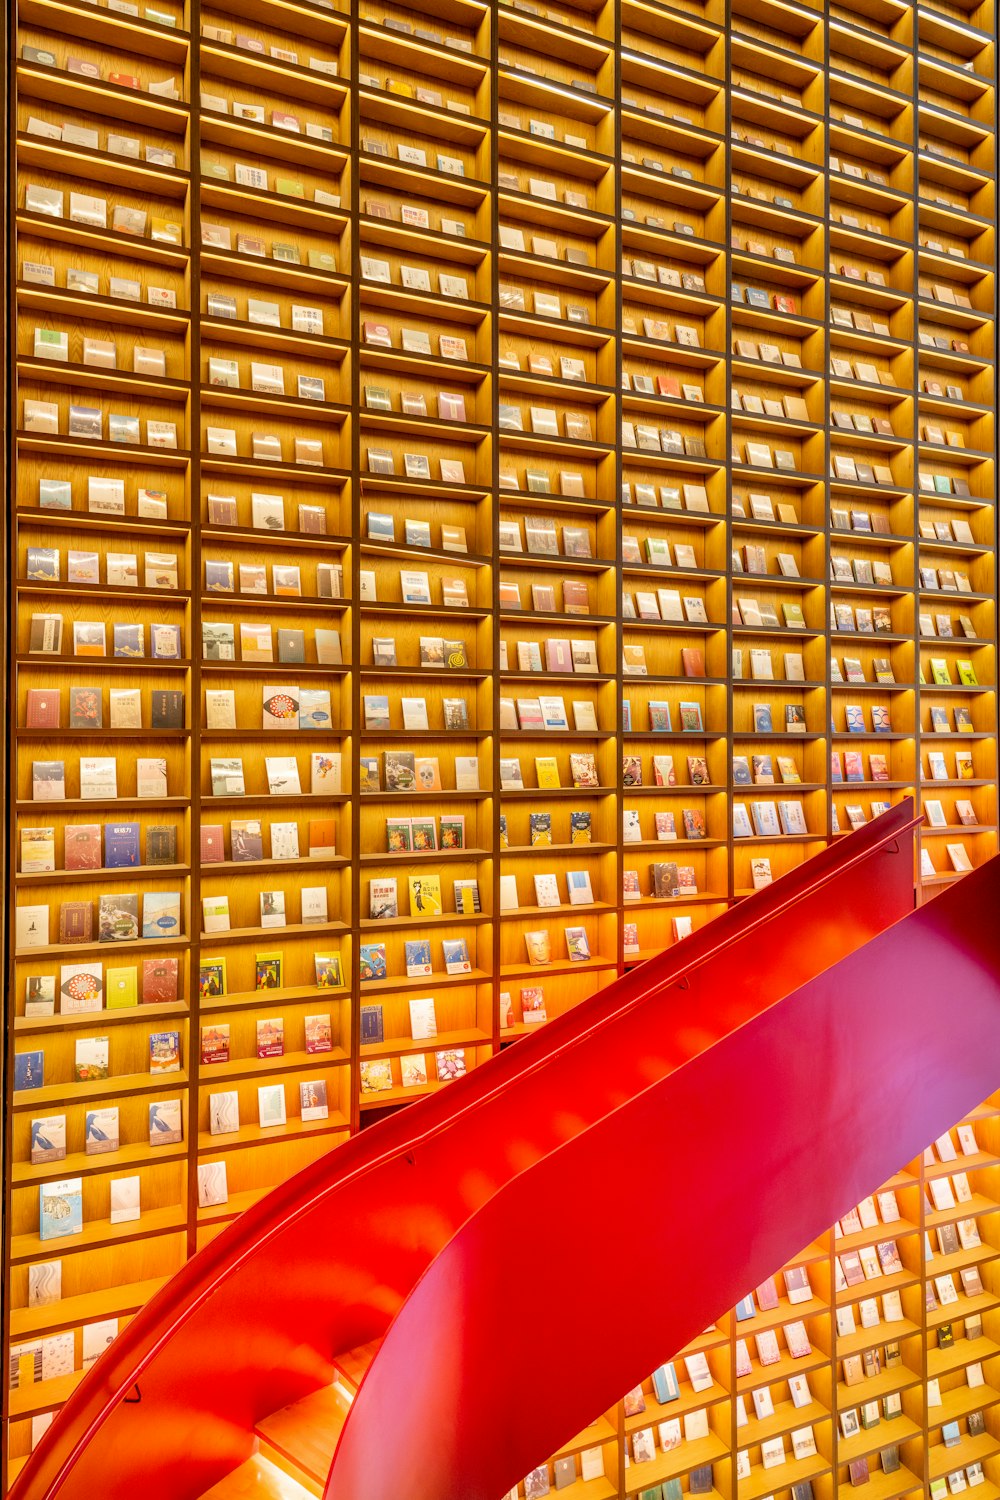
(502, 256)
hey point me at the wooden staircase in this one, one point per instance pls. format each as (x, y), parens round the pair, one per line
(294, 1446)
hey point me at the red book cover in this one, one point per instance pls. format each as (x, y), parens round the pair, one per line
(76, 922)
(576, 598)
(42, 706)
(270, 1036)
(693, 661)
(83, 847)
(322, 836)
(213, 845)
(215, 1043)
(159, 981)
(767, 1295)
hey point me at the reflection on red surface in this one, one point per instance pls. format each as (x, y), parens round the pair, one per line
(755, 1074)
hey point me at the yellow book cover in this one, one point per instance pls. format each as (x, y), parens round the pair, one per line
(425, 895)
(376, 1075)
(166, 231)
(547, 771)
(121, 988)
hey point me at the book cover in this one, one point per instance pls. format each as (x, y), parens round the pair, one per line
(423, 1019)
(165, 1124)
(215, 1043)
(60, 1208)
(90, 1059)
(270, 1036)
(101, 1131)
(48, 1139)
(372, 961)
(81, 988)
(164, 1052)
(318, 1034)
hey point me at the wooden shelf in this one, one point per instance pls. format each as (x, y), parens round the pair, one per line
(840, 160)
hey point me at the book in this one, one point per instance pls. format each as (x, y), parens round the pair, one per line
(60, 1208)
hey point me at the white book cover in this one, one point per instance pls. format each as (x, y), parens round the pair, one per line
(547, 890)
(423, 1020)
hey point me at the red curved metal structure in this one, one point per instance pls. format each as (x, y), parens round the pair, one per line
(408, 1229)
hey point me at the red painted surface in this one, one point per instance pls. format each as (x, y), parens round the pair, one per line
(361, 1238)
(622, 1245)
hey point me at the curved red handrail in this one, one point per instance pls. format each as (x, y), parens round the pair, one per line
(773, 1133)
(326, 1261)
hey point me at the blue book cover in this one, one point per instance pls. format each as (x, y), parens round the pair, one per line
(418, 958)
(161, 914)
(456, 955)
(372, 960)
(29, 1070)
(665, 1383)
(121, 845)
(60, 1208)
(372, 1029)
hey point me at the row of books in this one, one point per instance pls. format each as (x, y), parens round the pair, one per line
(86, 986)
(91, 210)
(118, 920)
(91, 1064)
(575, 597)
(265, 447)
(270, 1038)
(425, 895)
(376, 1074)
(227, 778)
(415, 588)
(416, 466)
(246, 840)
(88, 422)
(268, 974)
(943, 626)
(313, 907)
(769, 820)
(582, 770)
(305, 318)
(286, 579)
(98, 776)
(414, 341)
(380, 526)
(561, 655)
(664, 826)
(257, 644)
(688, 497)
(102, 354)
(267, 513)
(105, 497)
(90, 638)
(43, 708)
(579, 891)
(646, 437)
(82, 847)
(547, 714)
(665, 604)
(405, 772)
(77, 279)
(121, 569)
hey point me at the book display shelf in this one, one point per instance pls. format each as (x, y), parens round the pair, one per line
(520, 470)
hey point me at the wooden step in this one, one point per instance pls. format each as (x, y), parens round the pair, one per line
(257, 1479)
(353, 1363)
(300, 1438)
